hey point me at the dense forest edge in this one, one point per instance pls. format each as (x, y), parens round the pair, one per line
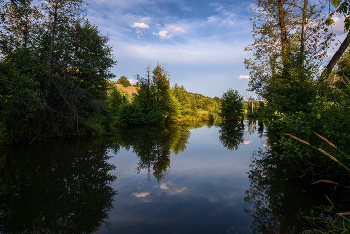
(55, 80)
(307, 105)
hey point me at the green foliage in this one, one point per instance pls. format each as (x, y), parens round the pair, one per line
(156, 101)
(291, 91)
(54, 70)
(20, 95)
(123, 80)
(325, 119)
(231, 105)
(116, 99)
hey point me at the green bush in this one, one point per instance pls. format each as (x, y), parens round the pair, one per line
(231, 105)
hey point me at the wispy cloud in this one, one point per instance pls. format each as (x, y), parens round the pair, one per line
(217, 6)
(194, 52)
(176, 29)
(244, 77)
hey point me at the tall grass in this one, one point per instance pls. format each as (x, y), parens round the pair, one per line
(330, 220)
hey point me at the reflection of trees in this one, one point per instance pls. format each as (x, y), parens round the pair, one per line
(55, 188)
(231, 134)
(153, 145)
(280, 202)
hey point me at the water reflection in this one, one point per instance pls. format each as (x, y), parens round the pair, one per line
(231, 134)
(154, 144)
(203, 193)
(280, 201)
(58, 187)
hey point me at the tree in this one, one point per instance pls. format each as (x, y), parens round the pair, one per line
(123, 80)
(63, 58)
(285, 33)
(231, 105)
(161, 89)
(153, 102)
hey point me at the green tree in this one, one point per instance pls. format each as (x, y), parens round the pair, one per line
(231, 105)
(161, 90)
(153, 102)
(65, 60)
(285, 33)
(123, 80)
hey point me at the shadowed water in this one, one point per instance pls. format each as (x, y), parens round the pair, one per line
(178, 178)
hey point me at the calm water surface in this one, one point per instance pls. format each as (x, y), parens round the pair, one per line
(194, 178)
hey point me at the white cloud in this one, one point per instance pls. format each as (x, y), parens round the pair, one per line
(244, 77)
(144, 194)
(139, 25)
(164, 35)
(246, 142)
(176, 29)
(146, 18)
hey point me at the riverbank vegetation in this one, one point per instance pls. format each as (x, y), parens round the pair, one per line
(306, 109)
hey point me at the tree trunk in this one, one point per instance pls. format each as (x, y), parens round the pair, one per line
(335, 58)
(281, 22)
(53, 35)
(302, 42)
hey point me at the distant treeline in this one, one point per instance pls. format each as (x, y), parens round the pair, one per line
(156, 101)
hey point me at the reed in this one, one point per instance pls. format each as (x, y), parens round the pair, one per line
(323, 138)
(321, 150)
(296, 138)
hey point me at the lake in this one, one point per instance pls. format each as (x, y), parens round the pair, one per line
(176, 178)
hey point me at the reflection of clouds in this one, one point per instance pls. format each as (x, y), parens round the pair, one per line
(246, 142)
(143, 194)
(165, 185)
(263, 143)
(147, 201)
(176, 191)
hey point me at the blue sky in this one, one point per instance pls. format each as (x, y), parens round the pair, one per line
(201, 42)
